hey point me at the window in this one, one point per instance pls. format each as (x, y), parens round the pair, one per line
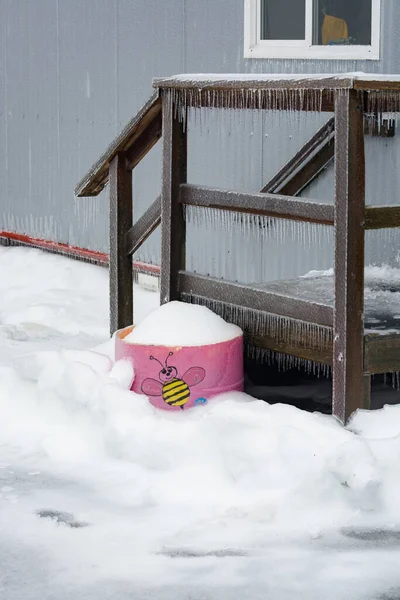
(332, 29)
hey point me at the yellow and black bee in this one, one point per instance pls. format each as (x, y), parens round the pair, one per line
(175, 391)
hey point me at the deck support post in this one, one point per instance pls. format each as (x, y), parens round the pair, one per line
(348, 321)
(173, 229)
(121, 276)
(367, 392)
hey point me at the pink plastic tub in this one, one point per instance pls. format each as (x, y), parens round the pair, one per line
(176, 378)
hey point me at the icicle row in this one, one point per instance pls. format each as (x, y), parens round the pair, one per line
(280, 329)
(292, 100)
(383, 102)
(377, 103)
(259, 227)
(287, 362)
(249, 248)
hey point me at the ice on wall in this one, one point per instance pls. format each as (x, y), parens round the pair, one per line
(58, 114)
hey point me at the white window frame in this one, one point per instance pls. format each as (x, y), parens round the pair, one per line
(254, 47)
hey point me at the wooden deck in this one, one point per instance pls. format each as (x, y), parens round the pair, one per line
(381, 324)
(309, 334)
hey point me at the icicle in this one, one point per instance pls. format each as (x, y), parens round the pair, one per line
(285, 362)
(280, 329)
(379, 102)
(281, 99)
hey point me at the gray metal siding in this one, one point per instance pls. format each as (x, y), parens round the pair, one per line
(72, 72)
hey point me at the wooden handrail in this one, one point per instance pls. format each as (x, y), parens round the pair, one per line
(144, 227)
(269, 206)
(316, 155)
(135, 140)
(272, 205)
(322, 136)
(382, 217)
(310, 171)
(263, 82)
(116, 165)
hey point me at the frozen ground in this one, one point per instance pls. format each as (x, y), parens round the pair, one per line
(103, 497)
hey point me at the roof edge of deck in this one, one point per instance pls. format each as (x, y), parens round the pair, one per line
(233, 81)
(268, 81)
(97, 177)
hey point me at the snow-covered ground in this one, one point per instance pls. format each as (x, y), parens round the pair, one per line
(102, 496)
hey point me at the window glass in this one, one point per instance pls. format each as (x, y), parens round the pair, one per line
(340, 22)
(283, 19)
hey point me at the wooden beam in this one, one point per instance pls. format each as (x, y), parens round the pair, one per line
(295, 346)
(144, 227)
(378, 85)
(97, 177)
(268, 82)
(255, 298)
(310, 171)
(144, 143)
(382, 353)
(273, 205)
(304, 154)
(367, 393)
(252, 82)
(173, 229)
(316, 155)
(348, 326)
(121, 280)
(382, 217)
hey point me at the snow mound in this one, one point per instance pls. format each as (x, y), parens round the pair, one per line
(181, 324)
(100, 487)
(103, 496)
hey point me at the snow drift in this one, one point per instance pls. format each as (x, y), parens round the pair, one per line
(102, 495)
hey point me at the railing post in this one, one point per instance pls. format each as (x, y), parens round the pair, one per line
(173, 230)
(121, 278)
(348, 323)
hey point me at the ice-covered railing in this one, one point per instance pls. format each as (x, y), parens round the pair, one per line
(115, 166)
(279, 91)
(290, 324)
(307, 328)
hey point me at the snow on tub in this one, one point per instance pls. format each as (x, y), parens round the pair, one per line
(183, 355)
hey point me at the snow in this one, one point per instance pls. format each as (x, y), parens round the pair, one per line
(46, 299)
(182, 324)
(212, 78)
(102, 496)
(381, 295)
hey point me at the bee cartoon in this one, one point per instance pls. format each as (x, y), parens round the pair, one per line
(173, 389)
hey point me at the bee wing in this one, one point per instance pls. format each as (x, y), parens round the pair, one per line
(194, 375)
(152, 387)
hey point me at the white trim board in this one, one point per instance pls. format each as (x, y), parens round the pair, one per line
(254, 47)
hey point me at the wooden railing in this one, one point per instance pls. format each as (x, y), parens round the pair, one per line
(115, 167)
(349, 215)
(135, 140)
(263, 204)
(306, 164)
(342, 138)
(144, 227)
(275, 199)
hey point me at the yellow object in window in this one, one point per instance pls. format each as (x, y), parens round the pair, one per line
(333, 29)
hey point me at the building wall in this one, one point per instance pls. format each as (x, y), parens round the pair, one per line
(73, 72)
